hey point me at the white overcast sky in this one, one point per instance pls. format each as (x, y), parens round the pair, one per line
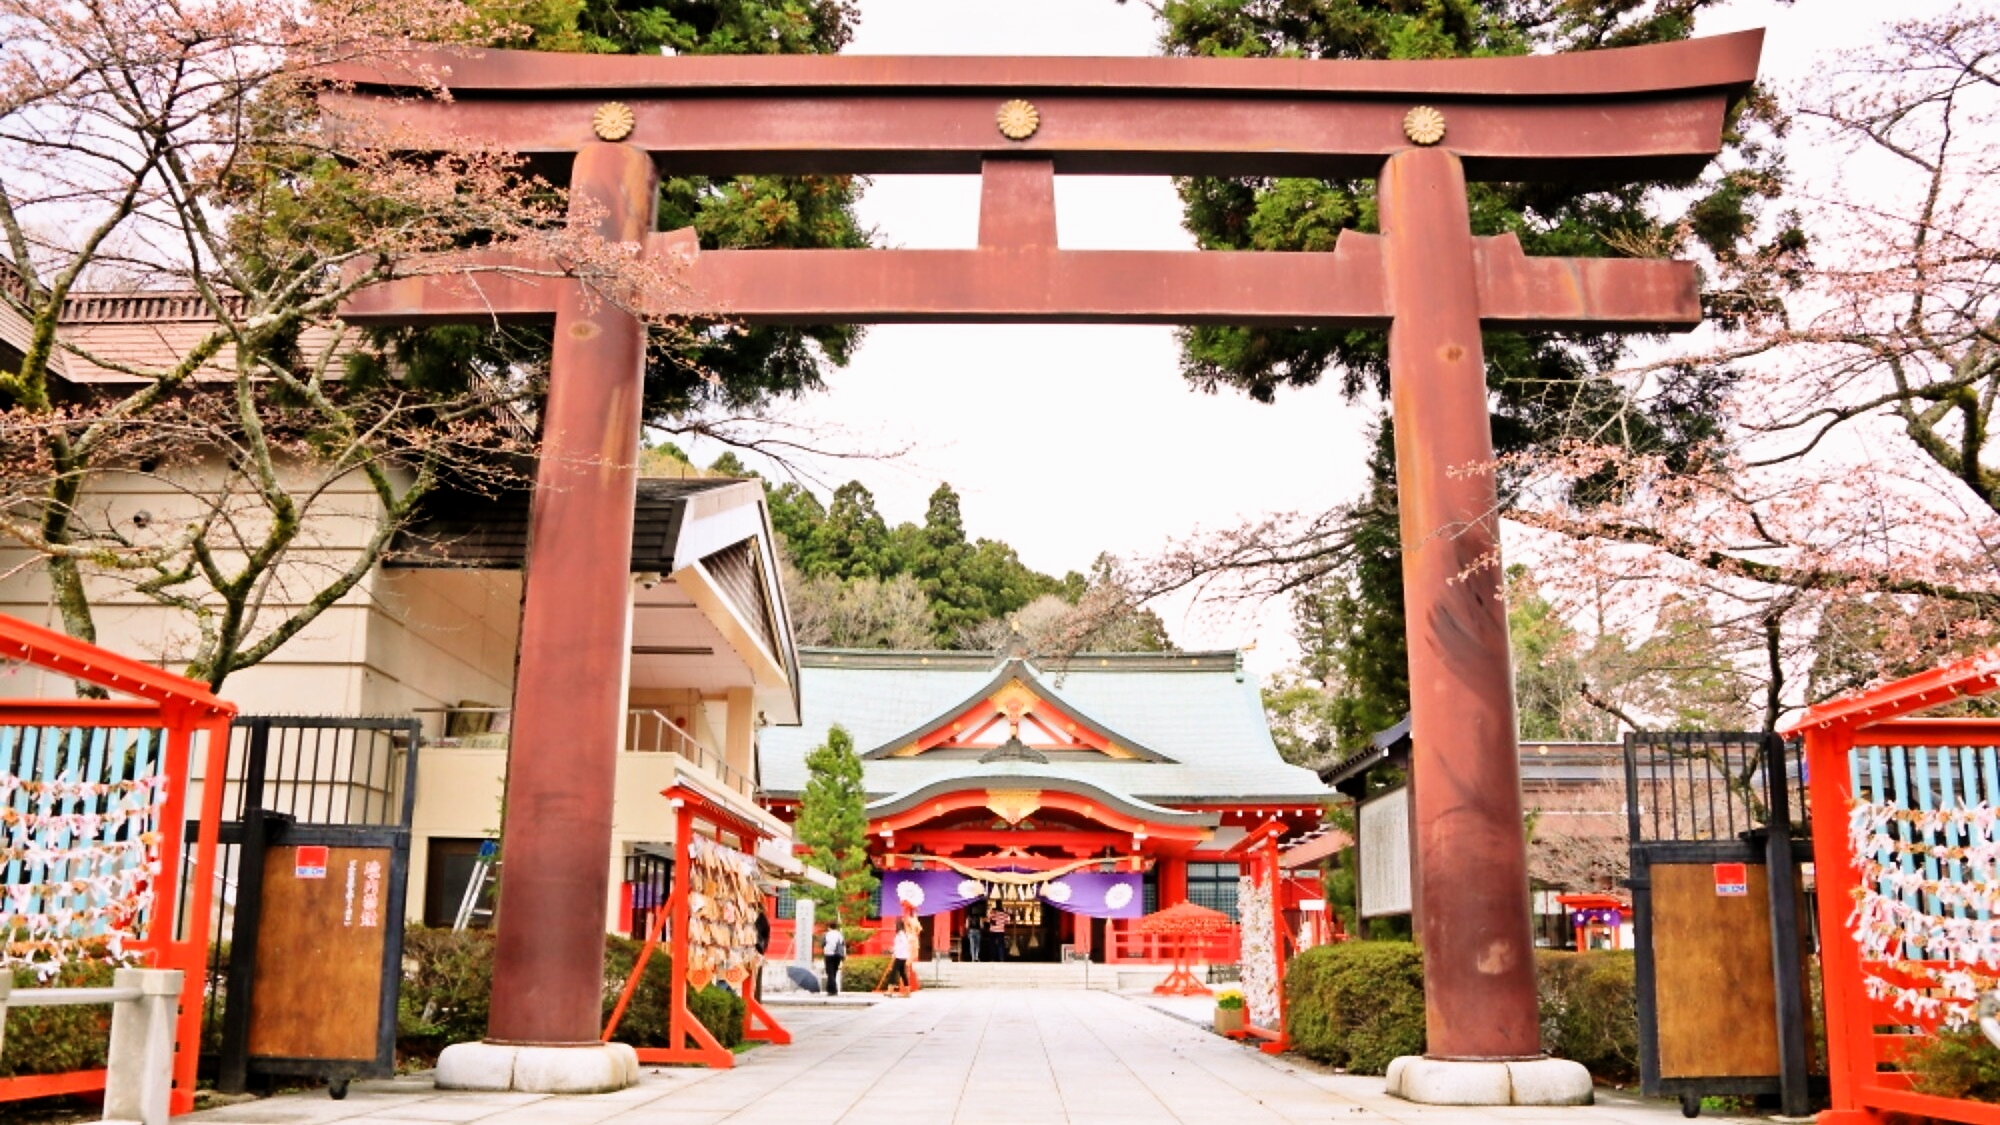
(1070, 440)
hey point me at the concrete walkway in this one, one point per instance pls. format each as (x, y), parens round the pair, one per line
(950, 1057)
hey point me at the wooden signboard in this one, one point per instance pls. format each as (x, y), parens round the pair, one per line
(1712, 964)
(320, 953)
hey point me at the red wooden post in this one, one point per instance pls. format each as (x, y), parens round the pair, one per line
(1479, 969)
(677, 1013)
(569, 700)
(193, 957)
(1279, 932)
(1850, 1032)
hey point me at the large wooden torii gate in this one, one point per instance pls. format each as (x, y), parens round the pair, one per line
(612, 125)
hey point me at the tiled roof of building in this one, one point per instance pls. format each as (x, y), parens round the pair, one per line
(456, 529)
(1197, 709)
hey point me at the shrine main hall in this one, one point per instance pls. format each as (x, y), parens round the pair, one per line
(1104, 786)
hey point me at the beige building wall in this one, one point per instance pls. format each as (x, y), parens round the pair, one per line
(322, 670)
(403, 640)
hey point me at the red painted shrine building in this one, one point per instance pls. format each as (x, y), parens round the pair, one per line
(1076, 794)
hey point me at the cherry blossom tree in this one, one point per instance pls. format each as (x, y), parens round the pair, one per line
(174, 152)
(1852, 501)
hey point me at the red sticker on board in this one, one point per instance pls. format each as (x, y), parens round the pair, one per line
(1732, 880)
(310, 863)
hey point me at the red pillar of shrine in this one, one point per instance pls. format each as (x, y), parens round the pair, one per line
(1479, 971)
(569, 702)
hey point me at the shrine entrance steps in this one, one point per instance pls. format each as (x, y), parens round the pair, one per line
(1071, 975)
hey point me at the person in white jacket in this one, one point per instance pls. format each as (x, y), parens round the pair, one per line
(901, 952)
(833, 947)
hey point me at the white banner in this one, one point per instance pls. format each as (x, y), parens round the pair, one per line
(1385, 885)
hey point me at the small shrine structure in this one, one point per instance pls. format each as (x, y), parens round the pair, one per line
(100, 805)
(1069, 798)
(1905, 848)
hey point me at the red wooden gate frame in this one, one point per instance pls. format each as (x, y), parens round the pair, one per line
(1261, 848)
(1863, 1094)
(758, 1024)
(182, 708)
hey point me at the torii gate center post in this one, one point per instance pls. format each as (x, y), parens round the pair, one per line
(610, 125)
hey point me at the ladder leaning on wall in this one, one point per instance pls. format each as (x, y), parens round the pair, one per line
(484, 870)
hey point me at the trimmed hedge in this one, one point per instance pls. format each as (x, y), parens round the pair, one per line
(1590, 1011)
(448, 980)
(1360, 1004)
(58, 1040)
(720, 1011)
(863, 974)
(1356, 1005)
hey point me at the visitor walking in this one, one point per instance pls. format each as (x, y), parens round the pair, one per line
(971, 940)
(833, 947)
(901, 951)
(996, 924)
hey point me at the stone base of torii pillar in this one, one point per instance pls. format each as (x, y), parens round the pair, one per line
(1543, 1081)
(598, 1068)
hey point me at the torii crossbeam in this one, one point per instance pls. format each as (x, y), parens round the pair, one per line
(1422, 128)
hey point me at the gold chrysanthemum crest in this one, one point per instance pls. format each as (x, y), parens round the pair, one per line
(1424, 125)
(1018, 120)
(613, 121)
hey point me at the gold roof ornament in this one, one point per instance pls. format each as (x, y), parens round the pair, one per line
(1013, 805)
(1424, 125)
(1018, 120)
(613, 121)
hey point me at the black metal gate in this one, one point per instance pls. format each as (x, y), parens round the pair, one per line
(1702, 806)
(301, 782)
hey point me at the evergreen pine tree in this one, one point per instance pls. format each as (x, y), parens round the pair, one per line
(854, 537)
(833, 825)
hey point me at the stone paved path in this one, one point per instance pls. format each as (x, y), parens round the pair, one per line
(950, 1057)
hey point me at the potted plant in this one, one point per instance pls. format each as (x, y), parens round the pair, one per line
(1229, 1016)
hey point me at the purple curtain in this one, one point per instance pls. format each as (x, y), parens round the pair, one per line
(1097, 894)
(931, 892)
(1092, 893)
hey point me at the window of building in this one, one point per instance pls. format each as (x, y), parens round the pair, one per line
(1213, 885)
(450, 870)
(649, 879)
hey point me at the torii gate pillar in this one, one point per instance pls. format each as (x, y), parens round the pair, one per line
(569, 683)
(1479, 966)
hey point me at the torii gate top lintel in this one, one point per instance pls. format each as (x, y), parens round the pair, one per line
(1625, 113)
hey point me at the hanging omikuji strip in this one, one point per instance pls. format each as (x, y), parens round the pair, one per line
(79, 837)
(1922, 831)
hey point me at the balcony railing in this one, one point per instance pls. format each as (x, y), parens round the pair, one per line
(646, 732)
(649, 732)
